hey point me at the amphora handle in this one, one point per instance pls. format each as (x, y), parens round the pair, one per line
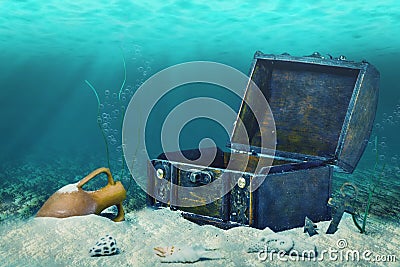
(94, 173)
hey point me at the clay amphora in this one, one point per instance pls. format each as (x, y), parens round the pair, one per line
(72, 200)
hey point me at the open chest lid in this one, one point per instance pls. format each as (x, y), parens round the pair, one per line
(323, 109)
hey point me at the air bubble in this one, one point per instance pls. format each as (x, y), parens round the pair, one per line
(107, 92)
(140, 69)
(393, 159)
(105, 125)
(123, 98)
(374, 150)
(101, 106)
(115, 95)
(99, 120)
(113, 141)
(381, 157)
(105, 116)
(145, 73)
(127, 91)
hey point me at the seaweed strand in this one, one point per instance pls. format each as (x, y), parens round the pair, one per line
(123, 83)
(371, 191)
(99, 121)
(122, 116)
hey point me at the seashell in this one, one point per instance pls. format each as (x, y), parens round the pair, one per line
(105, 246)
(184, 254)
(272, 242)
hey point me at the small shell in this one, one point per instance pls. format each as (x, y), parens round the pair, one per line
(182, 254)
(105, 246)
(165, 251)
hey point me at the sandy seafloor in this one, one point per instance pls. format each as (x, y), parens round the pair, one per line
(66, 242)
(29, 241)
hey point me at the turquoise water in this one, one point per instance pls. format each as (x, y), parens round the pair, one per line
(49, 48)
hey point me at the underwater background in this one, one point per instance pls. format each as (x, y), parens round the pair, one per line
(49, 116)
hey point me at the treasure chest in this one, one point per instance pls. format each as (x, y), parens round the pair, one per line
(323, 111)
